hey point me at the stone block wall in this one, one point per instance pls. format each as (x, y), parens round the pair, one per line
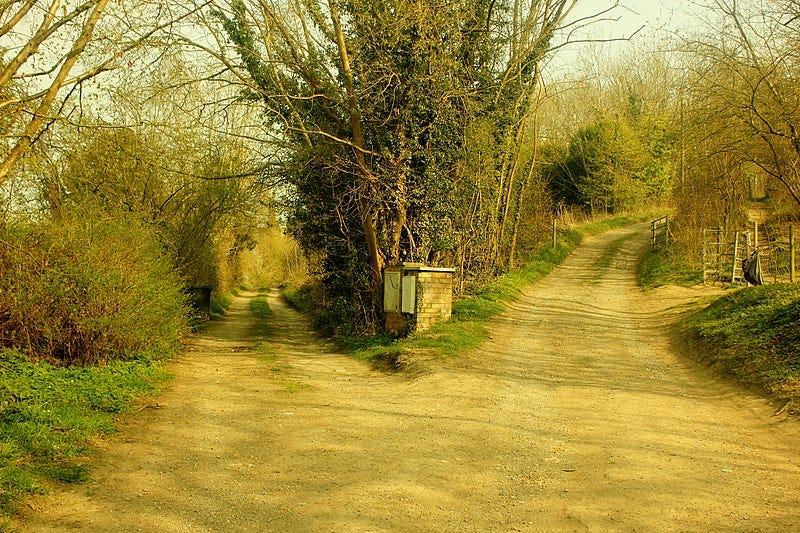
(434, 298)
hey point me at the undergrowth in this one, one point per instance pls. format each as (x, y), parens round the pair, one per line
(219, 304)
(753, 335)
(49, 416)
(665, 267)
(300, 298)
(468, 327)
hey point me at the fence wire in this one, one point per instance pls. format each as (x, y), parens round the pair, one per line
(724, 250)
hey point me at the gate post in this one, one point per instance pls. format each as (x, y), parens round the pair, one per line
(792, 253)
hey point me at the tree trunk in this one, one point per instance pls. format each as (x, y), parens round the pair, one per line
(365, 190)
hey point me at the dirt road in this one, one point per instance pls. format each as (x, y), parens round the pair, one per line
(575, 416)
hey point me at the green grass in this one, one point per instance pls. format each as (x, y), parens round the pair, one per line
(299, 298)
(50, 415)
(753, 335)
(612, 250)
(468, 327)
(664, 267)
(220, 304)
(259, 307)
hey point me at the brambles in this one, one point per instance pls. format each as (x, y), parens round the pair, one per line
(87, 288)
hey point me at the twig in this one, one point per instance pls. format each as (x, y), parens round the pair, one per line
(782, 409)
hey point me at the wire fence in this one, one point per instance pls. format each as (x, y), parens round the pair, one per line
(725, 250)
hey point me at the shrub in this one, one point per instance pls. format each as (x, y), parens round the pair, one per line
(88, 287)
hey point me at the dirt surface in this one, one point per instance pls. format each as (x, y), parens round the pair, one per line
(575, 416)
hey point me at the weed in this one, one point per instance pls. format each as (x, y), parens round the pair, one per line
(293, 387)
(752, 334)
(50, 414)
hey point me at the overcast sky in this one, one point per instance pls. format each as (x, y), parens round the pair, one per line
(656, 18)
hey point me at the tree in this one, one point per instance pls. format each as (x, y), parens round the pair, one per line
(619, 153)
(50, 49)
(372, 103)
(748, 72)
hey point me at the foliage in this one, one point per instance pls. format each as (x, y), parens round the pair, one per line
(468, 326)
(751, 334)
(301, 298)
(49, 415)
(614, 164)
(205, 218)
(376, 107)
(88, 288)
(667, 267)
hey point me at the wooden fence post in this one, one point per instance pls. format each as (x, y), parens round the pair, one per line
(555, 230)
(653, 235)
(735, 256)
(755, 233)
(705, 258)
(792, 253)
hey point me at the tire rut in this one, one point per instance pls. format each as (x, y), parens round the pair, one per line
(574, 416)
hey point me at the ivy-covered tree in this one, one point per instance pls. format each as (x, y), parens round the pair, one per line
(371, 105)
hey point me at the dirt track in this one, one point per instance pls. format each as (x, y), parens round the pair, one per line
(574, 416)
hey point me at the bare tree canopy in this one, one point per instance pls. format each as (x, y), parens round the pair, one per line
(50, 49)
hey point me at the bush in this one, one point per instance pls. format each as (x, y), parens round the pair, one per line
(86, 288)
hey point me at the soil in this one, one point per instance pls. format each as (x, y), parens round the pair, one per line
(575, 416)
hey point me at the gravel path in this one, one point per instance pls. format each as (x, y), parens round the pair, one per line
(575, 416)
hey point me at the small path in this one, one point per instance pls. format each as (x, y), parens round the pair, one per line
(575, 416)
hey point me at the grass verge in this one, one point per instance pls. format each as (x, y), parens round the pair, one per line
(753, 336)
(220, 304)
(259, 308)
(278, 363)
(468, 327)
(299, 298)
(50, 415)
(664, 267)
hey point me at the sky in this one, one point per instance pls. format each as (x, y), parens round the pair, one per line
(652, 19)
